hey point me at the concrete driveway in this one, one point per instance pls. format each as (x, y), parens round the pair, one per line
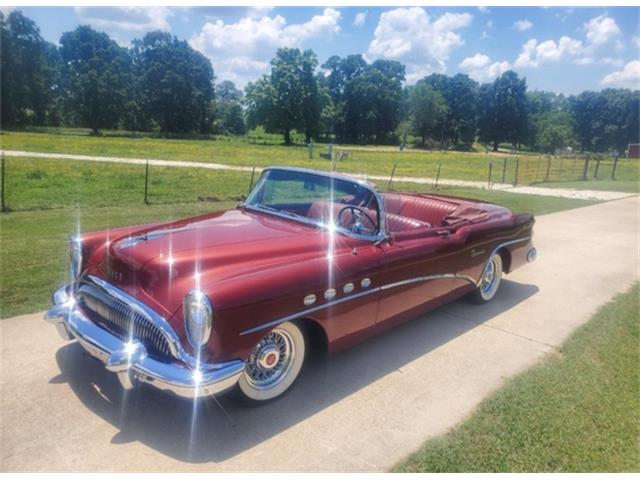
(360, 410)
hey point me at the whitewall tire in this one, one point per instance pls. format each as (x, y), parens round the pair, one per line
(274, 364)
(490, 280)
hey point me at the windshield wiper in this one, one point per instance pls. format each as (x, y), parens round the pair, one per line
(277, 210)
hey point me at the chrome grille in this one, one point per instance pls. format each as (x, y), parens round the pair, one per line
(122, 320)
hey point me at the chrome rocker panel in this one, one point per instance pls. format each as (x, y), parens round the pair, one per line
(129, 360)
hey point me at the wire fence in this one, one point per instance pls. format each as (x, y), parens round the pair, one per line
(29, 183)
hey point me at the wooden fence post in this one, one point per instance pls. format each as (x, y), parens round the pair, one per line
(515, 177)
(489, 179)
(391, 177)
(586, 168)
(2, 185)
(595, 174)
(613, 172)
(504, 168)
(438, 174)
(146, 183)
(546, 175)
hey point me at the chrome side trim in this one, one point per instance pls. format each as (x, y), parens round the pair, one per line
(308, 311)
(388, 286)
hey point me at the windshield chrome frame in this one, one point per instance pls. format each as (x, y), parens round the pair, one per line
(382, 232)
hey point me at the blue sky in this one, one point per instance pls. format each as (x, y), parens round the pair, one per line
(564, 50)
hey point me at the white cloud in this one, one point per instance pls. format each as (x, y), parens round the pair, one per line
(137, 19)
(602, 30)
(411, 36)
(480, 68)
(628, 77)
(361, 17)
(484, 10)
(522, 25)
(534, 54)
(241, 51)
(601, 44)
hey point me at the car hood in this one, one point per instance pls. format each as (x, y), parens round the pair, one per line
(168, 260)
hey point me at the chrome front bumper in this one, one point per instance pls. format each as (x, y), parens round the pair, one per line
(129, 360)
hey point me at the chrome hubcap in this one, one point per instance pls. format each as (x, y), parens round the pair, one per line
(268, 357)
(490, 278)
(271, 360)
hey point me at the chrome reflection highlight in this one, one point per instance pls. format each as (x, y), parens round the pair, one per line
(75, 256)
(309, 299)
(198, 318)
(330, 293)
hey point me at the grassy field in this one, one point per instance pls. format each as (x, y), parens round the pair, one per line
(578, 411)
(361, 159)
(48, 197)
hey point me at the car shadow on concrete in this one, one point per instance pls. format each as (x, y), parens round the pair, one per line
(217, 429)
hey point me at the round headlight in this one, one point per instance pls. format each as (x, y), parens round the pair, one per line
(198, 316)
(75, 256)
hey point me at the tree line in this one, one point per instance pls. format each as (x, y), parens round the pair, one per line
(162, 84)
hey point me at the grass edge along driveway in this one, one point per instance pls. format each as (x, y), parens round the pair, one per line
(577, 411)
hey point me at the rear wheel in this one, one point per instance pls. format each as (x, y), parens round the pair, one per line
(275, 363)
(490, 281)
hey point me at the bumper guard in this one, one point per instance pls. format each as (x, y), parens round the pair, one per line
(129, 359)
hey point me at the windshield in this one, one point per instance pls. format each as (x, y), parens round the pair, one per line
(319, 199)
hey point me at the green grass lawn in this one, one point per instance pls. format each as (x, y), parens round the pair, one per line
(578, 411)
(374, 160)
(48, 197)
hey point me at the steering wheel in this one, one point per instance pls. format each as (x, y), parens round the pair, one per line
(357, 214)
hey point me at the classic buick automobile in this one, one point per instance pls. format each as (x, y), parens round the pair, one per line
(236, 298)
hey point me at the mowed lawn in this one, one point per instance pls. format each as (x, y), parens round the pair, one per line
(50, 199)
(371, 160)
(578, 411)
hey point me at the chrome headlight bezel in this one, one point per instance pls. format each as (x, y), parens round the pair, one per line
(75, 257)
(198, 318)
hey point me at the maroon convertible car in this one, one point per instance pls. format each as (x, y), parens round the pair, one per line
(235, 298)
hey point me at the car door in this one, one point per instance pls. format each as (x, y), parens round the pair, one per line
(415, 270)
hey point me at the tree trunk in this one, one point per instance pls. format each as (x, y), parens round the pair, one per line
(287, 136)
(423, 139)
(495, 145)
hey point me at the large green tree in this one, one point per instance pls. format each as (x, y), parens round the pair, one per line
(606, 120)
(503, 111)
(367, 98)
(96, 77)
(29, 67)
(426, 107)
(176, 83)
(460, 94)
(229, 112)
(290, 97)
(555, 131)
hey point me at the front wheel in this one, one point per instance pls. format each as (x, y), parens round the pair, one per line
(490, 281)
(275, 364)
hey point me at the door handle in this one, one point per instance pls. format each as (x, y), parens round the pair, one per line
(443, 233)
